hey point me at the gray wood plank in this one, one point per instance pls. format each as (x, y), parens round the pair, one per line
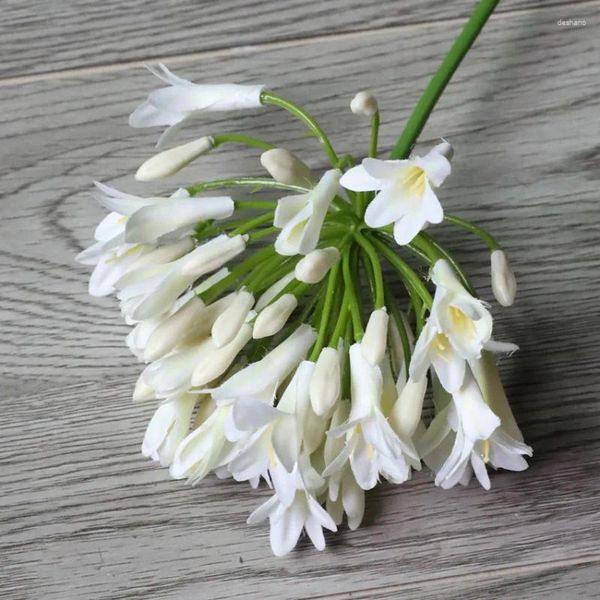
(43, 37)
(83, 515)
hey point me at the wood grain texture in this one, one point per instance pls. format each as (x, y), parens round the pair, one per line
(45, 37)
(82, 515)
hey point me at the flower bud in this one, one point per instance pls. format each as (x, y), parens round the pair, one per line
(406, 413)
(315, 265)
(375, 339)
(270, 293)
(231, 319)
(364, 103)
(216, 362)
(143, 391)
(286, 167)
(212, 255)
(272, 318)
(504, 284)
(173, 160)
(325, 383)
(445, 149)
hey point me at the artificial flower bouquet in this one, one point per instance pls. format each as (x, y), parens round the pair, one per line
(277, 346)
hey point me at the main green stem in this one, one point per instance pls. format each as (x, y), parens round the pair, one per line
(442, 76)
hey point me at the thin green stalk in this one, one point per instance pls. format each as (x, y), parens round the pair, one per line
(247, 140)
(378, 284)
(267, 97)
(442, 76)
(353, 304)
(488, 238)
(258, 235)
(340, 325)
(250, 224)
(255, 204)
(374, 135)
(253, 182)
(330, 292)
(392, 304)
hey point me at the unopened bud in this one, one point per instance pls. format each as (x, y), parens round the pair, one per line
(143, 391)
(215, 363)
(315, 265)
(212, 255)
(445, 149)
(504, 284)
(271, 319)
(285, 167)
(231, 319)
(325, 383)
(406, 413)
(364, 103)
(375, 339)
(173, 160)
(270, 293)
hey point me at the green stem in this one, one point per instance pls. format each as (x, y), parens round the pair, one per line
(340, 325)
(267, 97)
(256, 204)
(250, 224)
(330, 292)
(442, 76)
(353, 305)
(374, 135)
(488, 238)
(254, 182)
(266, 232)
(247, 140)
(379, 289)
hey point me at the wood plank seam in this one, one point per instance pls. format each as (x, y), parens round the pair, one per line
(228, 51)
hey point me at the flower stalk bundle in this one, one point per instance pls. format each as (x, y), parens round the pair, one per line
(276, 341)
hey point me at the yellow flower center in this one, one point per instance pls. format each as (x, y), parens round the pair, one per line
(485, 451)
(461, 322)
(411, 181)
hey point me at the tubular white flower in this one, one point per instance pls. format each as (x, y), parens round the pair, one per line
(167, 163)
(272, 318)
(458, 329)
(151, 291)
(202, 450)
(326, 382)
(504, 283)
(406, 195)
(316, 264)
(167, 428)
(218, 358)
(374, 342)
(406, 412)
(300, 218)
(179, 215)
(172, 105)
(286, 167)
(143, 391)
(229, 322)
(272, 292)
(261, 379)
(364, 103)
(372, 446)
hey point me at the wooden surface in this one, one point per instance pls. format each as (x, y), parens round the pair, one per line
(82, 514)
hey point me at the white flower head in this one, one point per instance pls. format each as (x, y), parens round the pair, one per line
(301, 217)
(364, 103)
(173, 104)
(406, 191)
(458, 329)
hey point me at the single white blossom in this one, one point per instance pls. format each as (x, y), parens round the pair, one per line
(174, 104)
(326, 381)
(374, 342)
(504, 283)
(406, 191)
(301, 217)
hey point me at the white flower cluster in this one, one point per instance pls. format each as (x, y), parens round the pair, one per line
(324, 409)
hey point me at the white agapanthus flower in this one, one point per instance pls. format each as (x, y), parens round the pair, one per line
(174, 104)
(458, 329)
(301, 217)
(372, 446)
(406, 195)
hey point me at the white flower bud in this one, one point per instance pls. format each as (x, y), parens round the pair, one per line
(270, 293)
(143, 391)
(272, 318)
(173, 160)
(212, 255)
(504, 284)
(364, 103)
(217, 361)
(315, 265)
(230, 320)
(286, 167)
(445, 149)
(406, 413)
(325, 383)
(375, 339)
